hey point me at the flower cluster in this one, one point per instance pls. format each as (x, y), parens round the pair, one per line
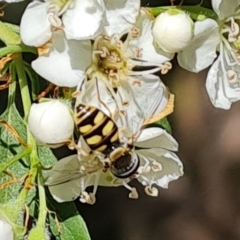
(111, 61)
(109, 51)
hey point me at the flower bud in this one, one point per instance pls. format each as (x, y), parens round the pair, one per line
(173, 30)
(6, 231)
(51, 122)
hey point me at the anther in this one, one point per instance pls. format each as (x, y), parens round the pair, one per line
(151, 191)
(133, 194)
(156, 167)
(232, 76)
(87, 198)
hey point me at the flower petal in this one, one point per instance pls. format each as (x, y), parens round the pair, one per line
(84, 19)
(201, 51)
(144, 41)
(120, 15)
(171, 167)
(156, 137)
(218, 87)
(35, 28)
(224, 9)
(66, 62)
(151, 94)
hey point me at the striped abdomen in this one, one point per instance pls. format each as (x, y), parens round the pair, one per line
(97, 129)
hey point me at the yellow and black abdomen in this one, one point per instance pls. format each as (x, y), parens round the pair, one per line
(98, 130)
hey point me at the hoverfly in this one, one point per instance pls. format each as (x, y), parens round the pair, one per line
(101, 134)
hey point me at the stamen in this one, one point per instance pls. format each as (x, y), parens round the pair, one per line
(98, 52)
(134, 32)
(232, 76)
(166, 67)
(144, 169)
(133, 194)
(156, 166)
(55, 21)
(105, 52)
(151, 191)
(53, 8)
(87, 198)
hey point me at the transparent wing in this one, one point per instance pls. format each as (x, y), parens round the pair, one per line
(65, 170)
(67, 179)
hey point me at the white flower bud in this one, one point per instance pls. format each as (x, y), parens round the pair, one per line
(51, 122)
(6, 231)
(173, 30)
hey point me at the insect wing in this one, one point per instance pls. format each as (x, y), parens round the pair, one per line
(65, 181)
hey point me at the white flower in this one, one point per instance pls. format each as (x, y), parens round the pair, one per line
(158, 165)
(116, 61)
(6, 231)
(222, 82)
(173, 30)
(68, 62)
(51, 122)
(69, 177)
(80, 19)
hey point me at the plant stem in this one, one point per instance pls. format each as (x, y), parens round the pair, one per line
(16, 49)
(26, 100)
(5, 165)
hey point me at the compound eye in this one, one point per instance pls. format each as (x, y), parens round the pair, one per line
(126, 165)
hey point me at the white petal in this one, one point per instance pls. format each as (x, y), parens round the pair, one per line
(144, 41)
(151, 94)
(155, 137)
(224, 9)
(120, 15)
(84, 19)
(201, 52)
(221, 93)
(172, 167)
(44, 124)
(6, 231)
(66, 62)
(35, 28)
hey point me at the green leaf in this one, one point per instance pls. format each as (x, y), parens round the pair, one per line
(71, 223)
(163, 123)
(46, 156)
(8, 35)
(9, 147)
(13, 212)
